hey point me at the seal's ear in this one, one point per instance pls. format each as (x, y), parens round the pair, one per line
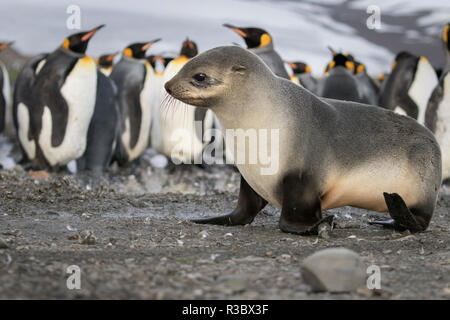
(239, 68)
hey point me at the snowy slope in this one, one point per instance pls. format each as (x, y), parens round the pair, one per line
(301, 30)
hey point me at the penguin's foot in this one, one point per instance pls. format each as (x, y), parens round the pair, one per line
(39, 175)
(402, 218)
(304, 230)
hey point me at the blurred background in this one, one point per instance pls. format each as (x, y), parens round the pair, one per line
(301, 30)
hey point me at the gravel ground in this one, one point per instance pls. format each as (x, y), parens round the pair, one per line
(128, 234)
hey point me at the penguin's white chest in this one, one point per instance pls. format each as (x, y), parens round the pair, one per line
(79, 91)
(146, 99)
(442, 131)
(182, 138)
(6, 88)
(424, 82)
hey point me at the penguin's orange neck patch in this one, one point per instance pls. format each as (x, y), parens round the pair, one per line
(264, 40)
(350, 65)
(330, 66)
(308, 69)
(181, 59)
(66, 43)
(128, 52)
(87, 60)
(360, 68)
(445, 33)
(393, 65)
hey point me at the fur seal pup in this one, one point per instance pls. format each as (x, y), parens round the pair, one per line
(333, 153)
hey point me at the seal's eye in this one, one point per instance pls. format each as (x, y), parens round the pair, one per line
(200, 77)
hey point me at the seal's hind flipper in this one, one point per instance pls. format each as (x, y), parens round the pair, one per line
(399, 212)
(385, 222)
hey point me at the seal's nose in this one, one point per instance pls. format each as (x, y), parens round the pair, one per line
(167, 87)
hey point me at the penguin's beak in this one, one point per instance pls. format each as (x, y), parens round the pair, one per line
(292, 65)
(111, 56)
(89, 34)
(5, 45)
(159, 58)
(236, 29)
(149, 44)
(332, 51)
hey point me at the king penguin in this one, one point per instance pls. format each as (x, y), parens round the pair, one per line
(339, 81)
(135, 80)
(56, 95)
(159, 64)
(260, 43)
(5, 91)
(369, 88)
(106, 62)
(181, 130)
(409, 86)
(437, 117)
(302, 75)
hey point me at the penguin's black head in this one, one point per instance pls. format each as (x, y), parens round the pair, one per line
(137, 50)
(152, 59)
(299, 67)
(446, 36)
(343, 60)
(4, 45)
(167, 60)
(402, 55)
(106, 60)
(78, 42)
(254, 37)
(189, 49)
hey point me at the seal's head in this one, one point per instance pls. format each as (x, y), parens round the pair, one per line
(216, 75)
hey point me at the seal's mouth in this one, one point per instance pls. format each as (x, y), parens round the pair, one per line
(183, 95)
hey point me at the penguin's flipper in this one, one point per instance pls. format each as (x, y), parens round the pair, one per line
(59, 111)
(431, 113)
(2, 110)
(24, 83)
(402, 218)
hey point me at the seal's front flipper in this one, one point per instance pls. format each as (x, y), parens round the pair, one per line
(248, 206)
(301, 210)
(305, 230)
(402, 216)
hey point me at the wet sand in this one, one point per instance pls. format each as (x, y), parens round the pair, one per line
(141, 247)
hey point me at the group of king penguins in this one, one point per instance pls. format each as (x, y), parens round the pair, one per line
(69, 107)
